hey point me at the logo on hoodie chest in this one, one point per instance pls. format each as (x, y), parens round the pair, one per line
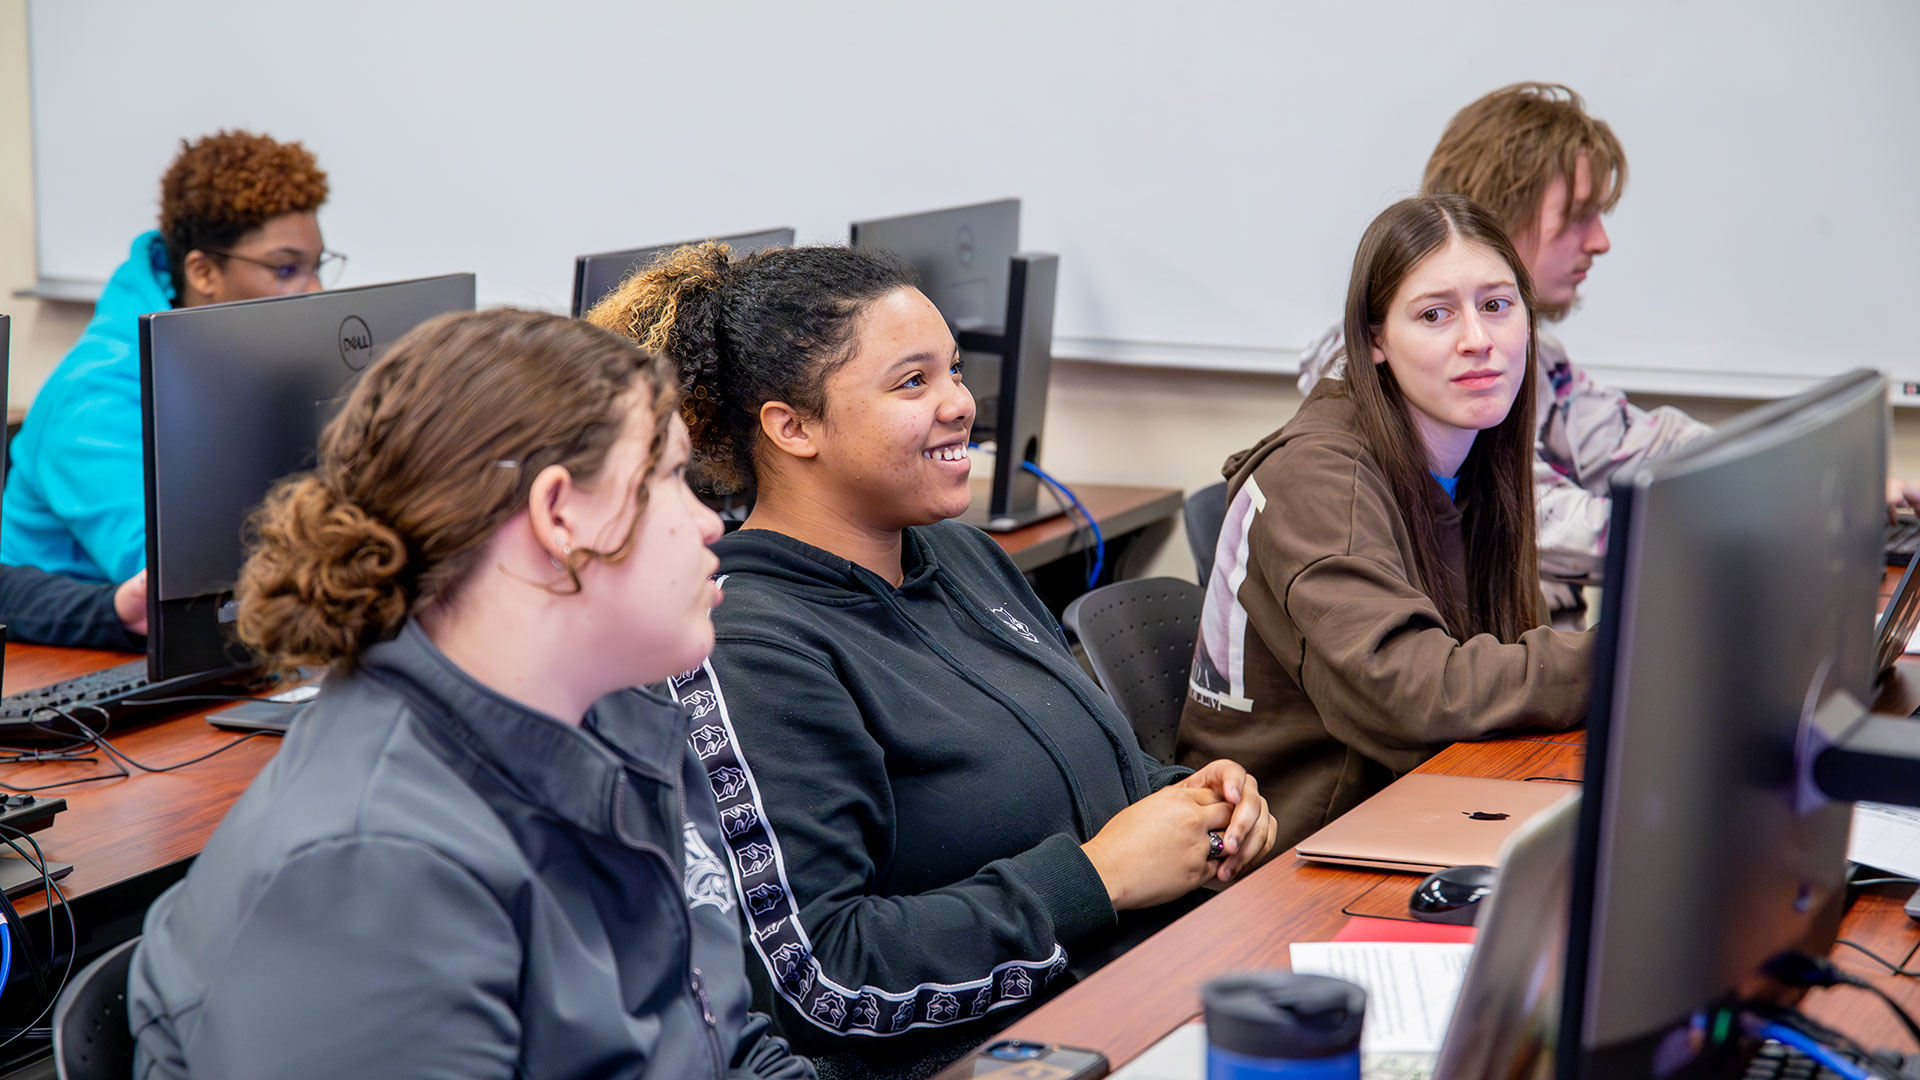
(1014, 624)
(706, 876)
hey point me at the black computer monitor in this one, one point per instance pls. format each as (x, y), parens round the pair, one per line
(594, 276)
(6, 443)
(233, 397)
(999, 303)
(1741, 579)
(6, 373)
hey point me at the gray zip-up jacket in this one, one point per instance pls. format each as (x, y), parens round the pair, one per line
(430, 880)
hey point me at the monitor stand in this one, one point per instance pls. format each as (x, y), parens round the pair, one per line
(1025, 348)
(980, 515)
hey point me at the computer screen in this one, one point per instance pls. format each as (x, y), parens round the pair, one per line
(960, 256)
(1508, 1011)
(594, 276)
(1741, 580)
(233, 398)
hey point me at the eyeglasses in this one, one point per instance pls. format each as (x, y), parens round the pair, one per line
(290, 271)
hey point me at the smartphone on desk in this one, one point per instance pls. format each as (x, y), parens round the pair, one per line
(1015, 1059)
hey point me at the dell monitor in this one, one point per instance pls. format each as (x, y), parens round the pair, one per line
(233, 398)
(999, 303)
(1741, 579)
(594, 276)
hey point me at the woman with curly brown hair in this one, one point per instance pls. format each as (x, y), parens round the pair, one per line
(236, 222)
(478, 853)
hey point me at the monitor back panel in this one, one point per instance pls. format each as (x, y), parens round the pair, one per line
(594, 276)
(962, 257)
(235, 396)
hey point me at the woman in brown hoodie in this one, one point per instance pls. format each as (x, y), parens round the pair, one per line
(1374, 594)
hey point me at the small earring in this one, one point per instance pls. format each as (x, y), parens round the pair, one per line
(566, 551)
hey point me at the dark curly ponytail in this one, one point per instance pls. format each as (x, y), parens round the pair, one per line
(768, 327)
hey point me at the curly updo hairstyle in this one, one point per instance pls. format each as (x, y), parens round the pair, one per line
(771, 326)
(435, 449)
(225, 185)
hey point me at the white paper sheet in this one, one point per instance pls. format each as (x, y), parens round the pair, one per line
(1410, 987)
(1886, 838)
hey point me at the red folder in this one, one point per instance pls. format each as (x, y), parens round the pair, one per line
(1362, 928)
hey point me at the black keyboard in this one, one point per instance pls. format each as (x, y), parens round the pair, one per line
(1903, 539)
(1776, 1061)
(97, 699)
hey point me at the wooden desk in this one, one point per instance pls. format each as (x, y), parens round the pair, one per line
(1133, 1002)
(116, 830)
(1135, 521)
(1120, 509)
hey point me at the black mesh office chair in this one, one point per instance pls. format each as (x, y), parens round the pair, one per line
(1139, 637)
(90, 1036)
(1203, 511)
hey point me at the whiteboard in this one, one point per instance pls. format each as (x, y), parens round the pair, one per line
(1203, 171)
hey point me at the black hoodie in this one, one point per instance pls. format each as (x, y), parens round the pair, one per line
(930, 758)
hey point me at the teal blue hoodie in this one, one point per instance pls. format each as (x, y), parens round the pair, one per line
(76, 500)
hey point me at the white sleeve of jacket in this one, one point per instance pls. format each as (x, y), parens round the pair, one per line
(1587, 434)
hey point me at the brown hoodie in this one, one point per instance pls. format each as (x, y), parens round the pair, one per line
(1322, 666)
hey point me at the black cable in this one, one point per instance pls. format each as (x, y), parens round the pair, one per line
(127, 761)
(1814, 1029)
(67, 783)
(122, 762)
(1906, 1018)
(34, 967)
(1891, 967)
(73, 931)
(1801, 970)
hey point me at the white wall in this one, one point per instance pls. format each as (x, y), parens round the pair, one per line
(1202, 170)
(1104, 423)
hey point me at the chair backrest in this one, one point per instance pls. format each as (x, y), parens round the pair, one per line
(1203, 511)
(1139, 637)
(90, 1036)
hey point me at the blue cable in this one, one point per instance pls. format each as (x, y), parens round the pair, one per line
(1806, 1044)
(6, 952)
(1099, 541)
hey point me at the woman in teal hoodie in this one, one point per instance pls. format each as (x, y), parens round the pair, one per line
(236, 222)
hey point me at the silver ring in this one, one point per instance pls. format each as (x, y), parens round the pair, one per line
(1216, 845)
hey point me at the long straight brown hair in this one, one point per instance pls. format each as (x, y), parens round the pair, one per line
(1501, 592)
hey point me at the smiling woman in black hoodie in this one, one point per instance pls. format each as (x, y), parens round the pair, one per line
(933, 814)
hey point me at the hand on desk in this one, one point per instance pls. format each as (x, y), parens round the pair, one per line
(130, 603)
(1250, 835)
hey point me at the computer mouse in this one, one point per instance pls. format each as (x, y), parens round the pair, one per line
(1452, 895)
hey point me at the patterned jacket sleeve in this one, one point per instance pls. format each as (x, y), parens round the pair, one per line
(806, 808)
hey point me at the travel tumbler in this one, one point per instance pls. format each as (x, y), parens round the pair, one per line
(1276, 1025)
